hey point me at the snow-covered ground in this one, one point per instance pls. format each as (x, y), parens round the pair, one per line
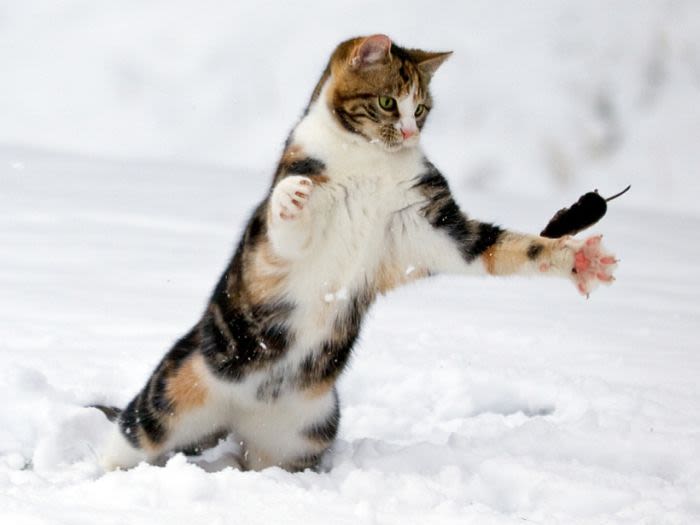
(512, 401)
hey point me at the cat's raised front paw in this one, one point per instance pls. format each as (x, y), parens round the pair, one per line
(593, 264)
(290, 197)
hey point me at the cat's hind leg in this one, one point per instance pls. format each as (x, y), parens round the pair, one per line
(176, 408)
(293, 433)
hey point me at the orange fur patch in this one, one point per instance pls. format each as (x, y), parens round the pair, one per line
(186, 387)
(509, 255)
(489, 259)
(320, 179)
(267, 273)
(318, 389)
(390, 276)
(292, 153)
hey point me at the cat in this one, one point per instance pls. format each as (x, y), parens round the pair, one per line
(355, 209)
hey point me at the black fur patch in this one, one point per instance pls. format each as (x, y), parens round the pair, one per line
(112, 413)
(229, 359)
(157, 386)
(255, 341)
(307, 461)
(534, 251)
(326, 430)
(432, 179)
(257, 225)
(237, 335)
(137, 419)
(129, 422)
(330, 360)
(346, 121)
(273, 315)
(271, 388)
(308, 166)
(152, 427)
(399, 52)
(148, 421)
(471, 237)
(487, 236)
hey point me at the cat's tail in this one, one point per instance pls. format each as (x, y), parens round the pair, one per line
(112, 413)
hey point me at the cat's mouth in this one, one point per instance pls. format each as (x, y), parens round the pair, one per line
(396, 145)
(393, 142)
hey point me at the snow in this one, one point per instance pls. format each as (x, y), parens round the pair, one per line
(467, 400)
(339, 295)
(539, 98)
(132, 149)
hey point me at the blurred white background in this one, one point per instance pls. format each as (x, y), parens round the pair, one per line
(539, 97)
(137, 135)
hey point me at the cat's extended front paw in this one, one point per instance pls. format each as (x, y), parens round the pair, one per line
(290, 197)
(592, 264)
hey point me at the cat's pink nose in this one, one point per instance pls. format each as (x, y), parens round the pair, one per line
(407, 133)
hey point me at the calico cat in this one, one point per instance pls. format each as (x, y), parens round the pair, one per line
(355, 209)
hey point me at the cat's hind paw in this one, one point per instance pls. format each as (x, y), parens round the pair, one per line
(119, 453)
(593, 264)
(290, 197)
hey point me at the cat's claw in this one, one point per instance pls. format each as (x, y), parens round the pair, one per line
(290, 197)
(592, 264)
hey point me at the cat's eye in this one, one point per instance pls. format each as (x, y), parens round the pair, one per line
(387, 103)
(420, 110)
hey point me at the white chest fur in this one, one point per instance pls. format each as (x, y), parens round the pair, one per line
(351, 214)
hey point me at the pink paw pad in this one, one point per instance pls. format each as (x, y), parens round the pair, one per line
(592, 265)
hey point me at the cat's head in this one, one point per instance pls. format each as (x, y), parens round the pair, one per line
(379, 90)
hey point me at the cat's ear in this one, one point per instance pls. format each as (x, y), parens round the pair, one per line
(428, 62)
(373, 50)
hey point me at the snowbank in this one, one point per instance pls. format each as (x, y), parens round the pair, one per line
(513, 400)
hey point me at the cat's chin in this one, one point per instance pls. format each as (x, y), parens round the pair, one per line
(393, 147)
